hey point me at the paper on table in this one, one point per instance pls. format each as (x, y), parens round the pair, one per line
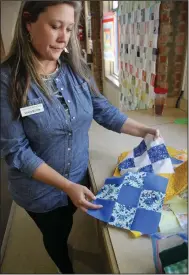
(178, 205)
(169, 223)
(180, 208)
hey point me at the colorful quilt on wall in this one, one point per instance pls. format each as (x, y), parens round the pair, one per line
(139, 23)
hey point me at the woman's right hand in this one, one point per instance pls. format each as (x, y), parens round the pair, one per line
(80, 196)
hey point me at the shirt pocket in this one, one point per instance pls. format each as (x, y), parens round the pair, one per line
(38, 124)
(84, 97)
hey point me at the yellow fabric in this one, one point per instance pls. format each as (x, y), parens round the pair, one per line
(177, 182)
(120, 159)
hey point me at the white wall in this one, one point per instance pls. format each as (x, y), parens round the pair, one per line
(111, 92)
(9, 13)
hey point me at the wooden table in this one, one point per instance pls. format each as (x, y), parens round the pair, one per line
(127, 254)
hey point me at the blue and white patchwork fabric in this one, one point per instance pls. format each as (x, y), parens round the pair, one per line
(176, 162)
(149, 156)
(133, 201)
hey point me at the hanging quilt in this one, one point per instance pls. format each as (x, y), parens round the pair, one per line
(139, 23)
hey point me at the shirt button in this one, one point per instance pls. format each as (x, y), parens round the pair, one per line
(69, 149)
(61, 89)
(69, 163)
(73, 117)
(57, 79)
(66, 175)
(70, 134)
(69, 101)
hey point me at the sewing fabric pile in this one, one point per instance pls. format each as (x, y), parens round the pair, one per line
(134, 201)
(172, 222)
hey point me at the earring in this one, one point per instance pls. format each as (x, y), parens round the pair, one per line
(66, 50)
(29, 38)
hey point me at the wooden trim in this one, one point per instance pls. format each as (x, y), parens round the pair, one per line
(112, 262)
(7, 232)
(2, 49)
(171, 102)
(183, 105)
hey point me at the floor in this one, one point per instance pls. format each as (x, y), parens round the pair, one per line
(25, 252)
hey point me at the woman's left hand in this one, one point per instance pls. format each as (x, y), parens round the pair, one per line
(154, 132)
(134, 128)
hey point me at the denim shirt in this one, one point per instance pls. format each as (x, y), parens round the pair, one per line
(50, 137)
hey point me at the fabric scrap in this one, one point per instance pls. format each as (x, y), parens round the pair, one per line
(178, 181)
(177, 268)
(174, 255)
(169, 223)
(170, 192)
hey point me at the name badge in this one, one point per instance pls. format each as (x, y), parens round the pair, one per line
(30, 110)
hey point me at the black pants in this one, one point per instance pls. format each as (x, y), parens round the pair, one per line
(55, 227)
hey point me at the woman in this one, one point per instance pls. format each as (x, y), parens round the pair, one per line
(48, 101)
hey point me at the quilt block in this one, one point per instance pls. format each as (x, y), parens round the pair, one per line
(133, 201)
(149, 156)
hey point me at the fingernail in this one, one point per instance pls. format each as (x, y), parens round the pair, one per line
(94, 198)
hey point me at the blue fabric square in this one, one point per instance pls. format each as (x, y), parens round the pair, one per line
(140, 149)
(116, 181)
(122, 216)
(155, 182)
(147, 168)
(157, 153)
(146, 222)
(151, 200)
(104, 213)
(176, 161)
(129, 196)
(128, 163)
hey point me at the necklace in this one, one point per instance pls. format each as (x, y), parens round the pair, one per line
(47, 76)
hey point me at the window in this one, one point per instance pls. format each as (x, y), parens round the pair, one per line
(111, 68)
(115, 65)
(115, 5)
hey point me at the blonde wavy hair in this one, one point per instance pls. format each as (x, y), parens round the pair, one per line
(22, 57)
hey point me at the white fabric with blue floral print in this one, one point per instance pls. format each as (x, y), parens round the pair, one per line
(151, 200)
(134, 179)
(109, 192)
(122, 216)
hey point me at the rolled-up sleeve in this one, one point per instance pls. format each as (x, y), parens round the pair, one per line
(105, 113)
(15, 147)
